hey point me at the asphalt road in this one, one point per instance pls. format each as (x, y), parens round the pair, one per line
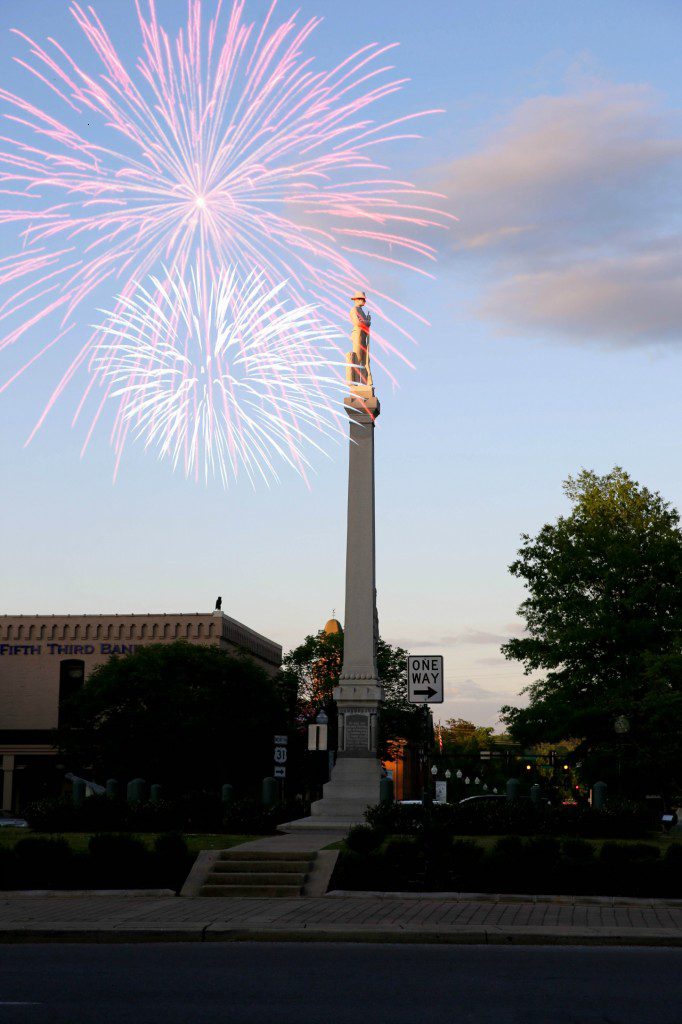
(335, 983)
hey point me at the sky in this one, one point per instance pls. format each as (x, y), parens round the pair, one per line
(553, 345)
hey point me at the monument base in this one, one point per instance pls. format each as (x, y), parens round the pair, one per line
(353, 787)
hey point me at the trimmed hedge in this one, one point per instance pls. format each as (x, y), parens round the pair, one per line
(112, 862)
(522, 817)
(192, 814)
(536, 864)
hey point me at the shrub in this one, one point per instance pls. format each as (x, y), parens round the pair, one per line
(52, 815)
(43, 863)
(395, 819)
(100, 813)
(8, 869)
(402, 859)
(172, 861)
(119, 862)
(364, 839)
(619, 855)
(248, 816)
(577, 853)
(542, 852)
(539, 864)
(466, 864)
(522, 817)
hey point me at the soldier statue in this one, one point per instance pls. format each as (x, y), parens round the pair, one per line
(357, 369)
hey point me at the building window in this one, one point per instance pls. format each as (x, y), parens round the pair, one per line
(71, 679)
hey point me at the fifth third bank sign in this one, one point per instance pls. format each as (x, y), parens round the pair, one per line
(425, 678)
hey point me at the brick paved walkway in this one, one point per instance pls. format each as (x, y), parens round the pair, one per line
(359, 917)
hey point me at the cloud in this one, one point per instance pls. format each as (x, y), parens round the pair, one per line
(467, 636)
(481, 636)
(467, 689)
(632, 300)
(570, 210)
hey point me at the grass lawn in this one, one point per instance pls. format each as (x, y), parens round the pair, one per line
(78, 841)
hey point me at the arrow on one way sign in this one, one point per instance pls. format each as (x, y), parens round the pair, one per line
(425, 679)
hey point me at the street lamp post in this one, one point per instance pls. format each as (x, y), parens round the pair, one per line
(621, 727)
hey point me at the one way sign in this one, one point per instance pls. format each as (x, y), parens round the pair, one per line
(425, 678)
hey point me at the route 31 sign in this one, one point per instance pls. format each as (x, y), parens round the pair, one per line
(425, 678)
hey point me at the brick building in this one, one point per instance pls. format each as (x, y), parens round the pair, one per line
(44, 658)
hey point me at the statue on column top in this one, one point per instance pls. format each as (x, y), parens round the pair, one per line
(358, 369)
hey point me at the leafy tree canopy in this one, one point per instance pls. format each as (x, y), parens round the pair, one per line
(604, 624)
(311, 671)
(186, 716)
(459, 735)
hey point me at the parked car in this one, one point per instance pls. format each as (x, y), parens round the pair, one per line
(483, 798)
(7, 821)
(497, 797)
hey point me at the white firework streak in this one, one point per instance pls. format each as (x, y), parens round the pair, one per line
(221, 377)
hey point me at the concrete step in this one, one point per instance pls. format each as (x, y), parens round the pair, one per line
(251, 890)
(330, 825)
(254, 867)
(221, 873)
(246, 878)
(267, 855)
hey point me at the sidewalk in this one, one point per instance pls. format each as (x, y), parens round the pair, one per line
(345, 917)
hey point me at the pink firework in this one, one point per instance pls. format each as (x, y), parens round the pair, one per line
(222, 147)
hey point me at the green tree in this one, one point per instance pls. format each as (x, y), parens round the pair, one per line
(311, 671)
(604, 624)
(462, 743)
(187, 716)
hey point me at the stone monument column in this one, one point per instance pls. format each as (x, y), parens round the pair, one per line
(359, 691)
(354, 784)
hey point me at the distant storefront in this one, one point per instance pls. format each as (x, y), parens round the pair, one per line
(45, 658)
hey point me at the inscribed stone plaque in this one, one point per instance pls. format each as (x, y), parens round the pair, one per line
(357, 732)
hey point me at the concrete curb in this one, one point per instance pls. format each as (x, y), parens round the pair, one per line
(465, 935)
(65, 894)
(510, 897)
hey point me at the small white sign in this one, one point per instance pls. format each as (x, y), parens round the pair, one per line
(280, 771)
(425, 678)
(281, 741)
(280, 755)
(441, 793)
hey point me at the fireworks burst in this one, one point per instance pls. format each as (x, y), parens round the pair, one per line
(220, 376)
(222, 147)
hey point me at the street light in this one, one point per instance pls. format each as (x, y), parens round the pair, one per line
(448, 774)
(467, 781)
(434, 770)
(317, 732)
(459, 773)
(477, 781)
